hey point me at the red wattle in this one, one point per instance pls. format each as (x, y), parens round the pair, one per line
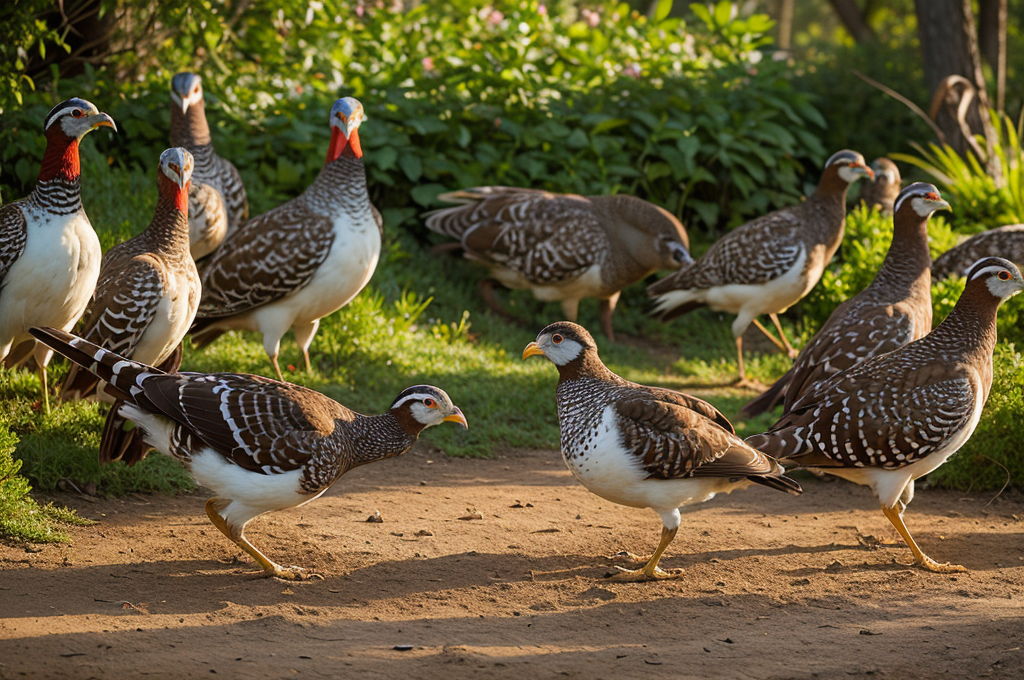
(353, 144)
(336, 146)
(60, 158)
(181, 198)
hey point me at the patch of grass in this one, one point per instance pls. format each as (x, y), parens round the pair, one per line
(21, 517)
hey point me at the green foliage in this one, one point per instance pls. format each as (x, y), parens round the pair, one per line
(23, 33)
(981, 202)
(21, 517)
(991, 459)
(522, 93)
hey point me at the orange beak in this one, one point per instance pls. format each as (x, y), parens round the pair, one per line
(457, 417)
(103, 120)
(531, 350)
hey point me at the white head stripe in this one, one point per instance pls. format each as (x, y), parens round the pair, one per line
(416, 396)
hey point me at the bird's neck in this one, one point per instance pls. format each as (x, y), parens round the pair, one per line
(190, 129)
(829, 201)
(587, 365)
(340, 186)
(907, 265)
(168, 232)
(379, 437)
(969, 331)
(58, 189)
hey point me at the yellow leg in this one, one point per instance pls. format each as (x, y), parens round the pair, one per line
(46, 391)
(778, 326)
(769, 335)
(650, 571)
(895, 515)
(277, 368)
(270, 567)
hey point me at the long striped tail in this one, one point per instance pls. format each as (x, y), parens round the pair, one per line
(123, 376)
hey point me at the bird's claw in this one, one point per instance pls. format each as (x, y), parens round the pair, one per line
(641, 575)
(296, 574)
(940, 567)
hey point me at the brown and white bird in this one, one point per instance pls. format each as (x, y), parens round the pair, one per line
(260, 445)
(1005, 242)
(562, 247)
(767, 264)
(217, 200)
(290, 267)
(894, 310)
(49, 252)
(894, 418)
(644, 447)
(884, 189)
(145, 301)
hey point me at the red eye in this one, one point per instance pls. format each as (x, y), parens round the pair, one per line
(429, 403)
(557, 339)
(77, 113)
(1004, 275)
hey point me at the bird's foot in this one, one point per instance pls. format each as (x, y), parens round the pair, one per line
(626, 556)
(641, 575)
(793, 354)
(940, 567)
(294, 574)
(747, 383)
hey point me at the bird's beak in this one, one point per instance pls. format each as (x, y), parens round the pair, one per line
(456, 416)
(102, 120)
(533, 349)
(937, 202)
(866, 171)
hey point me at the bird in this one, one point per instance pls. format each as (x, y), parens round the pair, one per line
(218, 204)
(645, 447)
(146, 299)
(895, 417)
(49, 253)
(562, 247)
(884, 189)
(1007, 241)
(894, 310)
(303, 260)
(258, 444)
(769, 263)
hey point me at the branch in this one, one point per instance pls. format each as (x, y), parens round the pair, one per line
(903, 100)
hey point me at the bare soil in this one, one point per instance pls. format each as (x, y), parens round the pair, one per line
(493, 568)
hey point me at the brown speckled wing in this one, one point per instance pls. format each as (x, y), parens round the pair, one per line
(1006, 242)
(207, 219)
(13, 234)
(124, 304)
(755, 253)
(271, 256)
(675, 442)
(689, 402)
(548, 238)
(233, 189)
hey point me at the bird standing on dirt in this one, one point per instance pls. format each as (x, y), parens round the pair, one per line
(1007, 242)
(145, 301)
(884, 189)
(896, 417)
(290, 267)
(49, 252)
(894, 310)
(217, 201)
(258, 444)
(644, 447)
(768, 264)
(562, 247)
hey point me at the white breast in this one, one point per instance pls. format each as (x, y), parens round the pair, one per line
(174, 315)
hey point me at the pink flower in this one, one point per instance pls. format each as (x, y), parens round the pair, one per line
(592, 18)
(542, 10)
(428, 64)
(496, 17)
(632, 71)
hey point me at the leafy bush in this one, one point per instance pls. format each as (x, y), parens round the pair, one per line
(21, 517)
(523, 93)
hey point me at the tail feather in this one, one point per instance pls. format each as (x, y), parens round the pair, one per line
(122, 375)
(769, 399)
(779, 482)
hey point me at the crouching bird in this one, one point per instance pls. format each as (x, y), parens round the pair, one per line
(645, 447)
(895, 417)
(259, 444)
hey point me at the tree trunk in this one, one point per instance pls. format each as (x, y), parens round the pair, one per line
(786, 25)
(950, 48)
(992, 43)
(853, 19)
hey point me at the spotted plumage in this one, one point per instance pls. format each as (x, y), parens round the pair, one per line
(884, 189)
(218, 204)
(1007, 242)
(49, 253)
(305, 259)
(894, 310)
(644, 446)
(563, 247)
(258, 444)
(896, 417)
(768, 264)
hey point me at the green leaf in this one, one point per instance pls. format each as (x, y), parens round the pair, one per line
(411, 165)
(385, 157)
(662, 10)
(426, 194)
(578, 139)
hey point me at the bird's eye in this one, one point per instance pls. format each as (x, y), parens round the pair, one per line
(77, 113)
(1004, 275)
(557, 339)
(429, 403)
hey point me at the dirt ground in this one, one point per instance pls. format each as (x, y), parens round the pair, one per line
(493, 568)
